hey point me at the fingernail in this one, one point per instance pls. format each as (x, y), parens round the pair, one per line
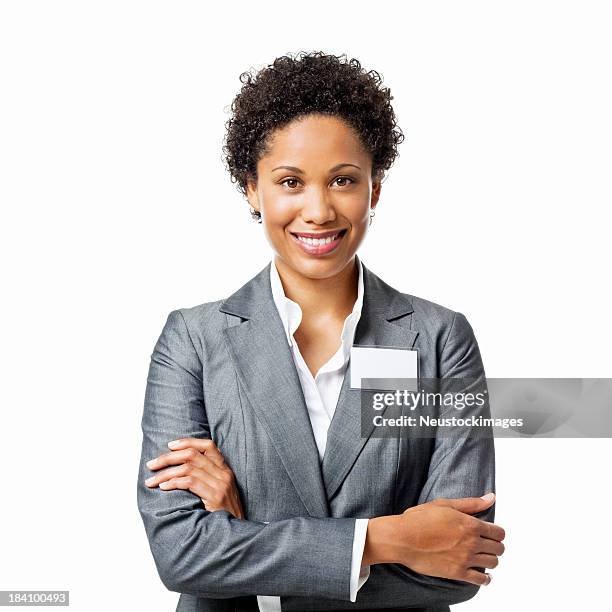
(174, 443)
(148, 481)
(151, 462)
(490, 578)
(488, 497)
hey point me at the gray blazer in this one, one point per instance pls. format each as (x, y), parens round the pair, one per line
(224, 370)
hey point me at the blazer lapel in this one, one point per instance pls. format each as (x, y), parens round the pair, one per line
(266, 371)
(383, 322)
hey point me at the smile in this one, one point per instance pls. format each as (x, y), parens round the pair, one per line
(319, 243)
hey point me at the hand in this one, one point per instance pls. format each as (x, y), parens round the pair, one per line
(201, 469)
(438, 538)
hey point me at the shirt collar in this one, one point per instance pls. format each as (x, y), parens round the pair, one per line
(291, 313)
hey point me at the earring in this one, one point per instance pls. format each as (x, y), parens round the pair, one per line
(255, 215)
(372, 213)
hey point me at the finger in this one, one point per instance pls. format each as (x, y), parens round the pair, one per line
(491, 531)
(200, 443)
(208, 447)
(202, 483)
(491, 547)
(166, 474)
(188, 455)
(204, 445)
(488, 561)
(171, 458)
(467, 505)
(187, 483)
(475, 577)
(197, 486)
(185, 469)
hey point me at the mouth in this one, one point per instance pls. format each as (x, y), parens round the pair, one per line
(318, 243)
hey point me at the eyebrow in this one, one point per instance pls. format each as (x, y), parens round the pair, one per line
(299, 171)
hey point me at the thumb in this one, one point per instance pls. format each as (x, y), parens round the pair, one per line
(468, 505)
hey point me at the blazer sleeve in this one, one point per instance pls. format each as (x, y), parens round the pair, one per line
(214, 554)
(459, 467)
(463, 466)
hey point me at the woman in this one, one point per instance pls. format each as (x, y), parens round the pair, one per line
(269, 489)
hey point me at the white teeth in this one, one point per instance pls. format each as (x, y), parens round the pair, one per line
(318, 241)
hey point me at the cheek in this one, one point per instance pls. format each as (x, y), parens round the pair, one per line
(278, 215)
(278, 210)
(277, 222)
(357, 211)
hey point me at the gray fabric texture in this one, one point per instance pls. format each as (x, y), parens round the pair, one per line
(223, 370)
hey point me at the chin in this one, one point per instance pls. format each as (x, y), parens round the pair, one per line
(317, 268)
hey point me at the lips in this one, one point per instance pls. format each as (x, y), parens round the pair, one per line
(318, 243)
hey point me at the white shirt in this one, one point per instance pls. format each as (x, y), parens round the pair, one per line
(321, 394)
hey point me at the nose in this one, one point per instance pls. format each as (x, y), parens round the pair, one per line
(318, 208)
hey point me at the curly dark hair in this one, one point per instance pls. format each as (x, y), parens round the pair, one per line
(306, 83)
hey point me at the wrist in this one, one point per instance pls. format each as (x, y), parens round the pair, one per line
(381, 538)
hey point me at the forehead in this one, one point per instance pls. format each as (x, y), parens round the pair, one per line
(313, 137)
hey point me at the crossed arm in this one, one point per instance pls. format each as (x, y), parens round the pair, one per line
(211, 551)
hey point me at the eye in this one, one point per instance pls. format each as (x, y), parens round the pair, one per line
(293, 183)
(343, 178)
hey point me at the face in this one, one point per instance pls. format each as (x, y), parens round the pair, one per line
(315, 191)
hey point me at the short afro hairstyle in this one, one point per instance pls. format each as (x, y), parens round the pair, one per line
(307, 83)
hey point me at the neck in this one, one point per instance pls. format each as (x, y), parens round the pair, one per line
(334, 295)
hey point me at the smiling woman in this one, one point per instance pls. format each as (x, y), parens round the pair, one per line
(270, 489)
(315, 209)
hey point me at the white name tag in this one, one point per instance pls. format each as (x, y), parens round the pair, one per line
(383, 364)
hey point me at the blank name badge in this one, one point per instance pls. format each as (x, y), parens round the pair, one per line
(386, 368)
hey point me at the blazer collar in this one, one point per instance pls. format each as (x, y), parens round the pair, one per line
(264, 365)
(381, 298)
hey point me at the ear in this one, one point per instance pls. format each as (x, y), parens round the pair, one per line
(252, 197)
(376, 187)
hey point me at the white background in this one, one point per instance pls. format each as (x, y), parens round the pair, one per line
(116, 209)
